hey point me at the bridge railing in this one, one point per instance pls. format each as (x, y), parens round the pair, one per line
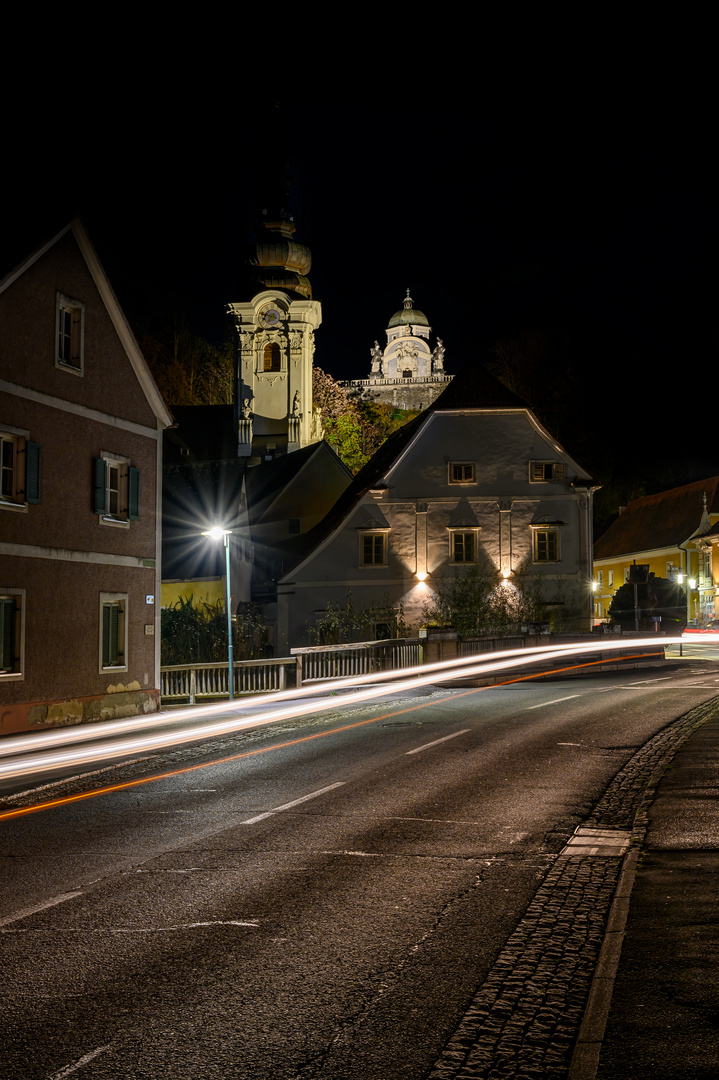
(358, 658)
(195, 681)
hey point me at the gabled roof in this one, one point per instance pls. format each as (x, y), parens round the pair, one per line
(268, 481)
(117, 316)
(666, 520)
(472, 389)
(475, 388)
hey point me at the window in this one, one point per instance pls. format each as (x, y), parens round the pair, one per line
(373, 548)
(610, 577)
(546, 545)
(70, 334)
(19, 470)
(116, 489)
(113, 631)
(271, 360)
(600, 577)
(461, 472)
(462, 545)
(12, 641)
(543, 471)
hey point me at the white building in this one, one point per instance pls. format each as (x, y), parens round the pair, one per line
(408, 373)
(474, 477)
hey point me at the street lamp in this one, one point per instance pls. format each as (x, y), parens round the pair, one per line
(217, 533)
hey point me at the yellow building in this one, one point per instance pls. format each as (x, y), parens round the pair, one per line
(674, 533)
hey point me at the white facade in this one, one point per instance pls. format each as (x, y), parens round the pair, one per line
(468, 484)
(275, 347)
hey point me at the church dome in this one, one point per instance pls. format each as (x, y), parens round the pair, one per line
(408, 315)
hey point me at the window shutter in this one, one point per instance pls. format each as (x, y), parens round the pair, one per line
(133, 493)
(7, 635)
(99, 498)
(32, 472)
(110, 627)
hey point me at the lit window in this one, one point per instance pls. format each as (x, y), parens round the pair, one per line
(373, 548)
(11, 634)
(116, 489)
(461, 472)
(113, 631)
(19, 470)
(610, 577)
(271, 360)
(546, 545)
(600, 577)
(462, 546)
(70, 333)
(541, 472)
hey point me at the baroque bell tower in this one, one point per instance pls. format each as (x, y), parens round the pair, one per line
(275, 342)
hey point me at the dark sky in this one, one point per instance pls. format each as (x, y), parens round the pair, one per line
(533, 189)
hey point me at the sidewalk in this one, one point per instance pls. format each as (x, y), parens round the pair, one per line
(664, 1015)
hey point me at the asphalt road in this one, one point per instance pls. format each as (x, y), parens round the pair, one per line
(312, 901)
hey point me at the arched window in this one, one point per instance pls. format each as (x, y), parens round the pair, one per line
(271, 357)
(406, 374)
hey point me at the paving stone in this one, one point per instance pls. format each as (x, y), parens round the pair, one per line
(525, 1017)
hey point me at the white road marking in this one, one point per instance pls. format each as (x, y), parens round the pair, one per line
(290, 805)
(26, 912)
(79, 1064)
(556, 701)
(436, 742)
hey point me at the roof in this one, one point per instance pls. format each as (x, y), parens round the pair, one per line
(117, 316)
(472, 388)
(665, 520)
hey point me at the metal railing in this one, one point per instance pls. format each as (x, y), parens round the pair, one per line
(210, 680)
(358, 658)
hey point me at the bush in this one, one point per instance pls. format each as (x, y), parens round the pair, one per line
(197, 634)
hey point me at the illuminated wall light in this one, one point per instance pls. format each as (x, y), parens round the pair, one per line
(421, 575)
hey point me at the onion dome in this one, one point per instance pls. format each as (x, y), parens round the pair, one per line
(408, 315)
(281, 262)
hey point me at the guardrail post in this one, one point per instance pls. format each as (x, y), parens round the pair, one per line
(298, 670)
(192, 686)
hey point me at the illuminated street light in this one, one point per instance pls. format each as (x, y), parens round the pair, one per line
(215, 534)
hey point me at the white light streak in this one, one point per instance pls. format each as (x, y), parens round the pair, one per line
(26, 761)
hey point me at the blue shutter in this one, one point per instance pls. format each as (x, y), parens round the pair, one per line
(99, 496)
(32, 472)
(133, 493)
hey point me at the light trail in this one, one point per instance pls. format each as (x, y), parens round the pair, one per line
(32, 763)
(66, 800)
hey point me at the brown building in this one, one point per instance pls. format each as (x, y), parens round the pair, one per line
(81, 424)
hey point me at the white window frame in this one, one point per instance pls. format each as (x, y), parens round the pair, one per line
(17, 597)
(374, 564)
(16, 496)
(537, 530)
(454, 534)
(122, 518)
(467, 467)
(610, 579)
(70, 346)
(600, 577)
(120, 601)
(546, 472)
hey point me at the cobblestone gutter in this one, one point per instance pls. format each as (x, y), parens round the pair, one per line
(524, 1020)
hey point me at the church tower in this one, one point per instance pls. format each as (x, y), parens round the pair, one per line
(275, 344)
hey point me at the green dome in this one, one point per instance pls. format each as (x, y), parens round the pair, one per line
(408, 315)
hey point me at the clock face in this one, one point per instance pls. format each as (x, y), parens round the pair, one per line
(270, 315)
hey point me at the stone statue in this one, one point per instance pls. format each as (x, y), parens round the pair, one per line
(296, 404)
(376, 354)
(247, 407)
(438, 356)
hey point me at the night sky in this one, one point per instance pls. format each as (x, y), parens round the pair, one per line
(535, 194)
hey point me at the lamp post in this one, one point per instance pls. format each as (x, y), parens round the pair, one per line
(215, 534)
